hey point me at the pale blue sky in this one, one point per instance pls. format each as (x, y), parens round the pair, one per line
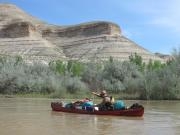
(153, 24)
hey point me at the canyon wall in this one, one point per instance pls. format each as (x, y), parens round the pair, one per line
(35, 40)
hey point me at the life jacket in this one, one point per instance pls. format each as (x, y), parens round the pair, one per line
(112, 99)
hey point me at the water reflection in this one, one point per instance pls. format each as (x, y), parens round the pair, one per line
(34, 116)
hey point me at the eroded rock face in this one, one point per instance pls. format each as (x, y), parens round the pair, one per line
(17, 30)
(24, 35)
(84, 30)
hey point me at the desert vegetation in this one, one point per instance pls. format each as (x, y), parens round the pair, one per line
(153, 80)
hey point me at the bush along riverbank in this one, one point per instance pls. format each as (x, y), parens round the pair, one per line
(131, 79)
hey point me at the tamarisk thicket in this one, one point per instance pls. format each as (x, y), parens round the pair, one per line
(153, 80)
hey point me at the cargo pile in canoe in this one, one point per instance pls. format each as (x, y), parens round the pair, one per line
(135, 110)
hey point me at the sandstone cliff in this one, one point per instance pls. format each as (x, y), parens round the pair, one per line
(34, 40)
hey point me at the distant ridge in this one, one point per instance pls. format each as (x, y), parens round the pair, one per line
(35, 40)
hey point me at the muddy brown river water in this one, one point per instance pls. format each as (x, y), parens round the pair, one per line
(27, 116)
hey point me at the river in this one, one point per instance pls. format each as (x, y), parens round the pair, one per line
(26, 116)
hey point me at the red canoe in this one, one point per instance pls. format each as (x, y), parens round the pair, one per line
(136, 111)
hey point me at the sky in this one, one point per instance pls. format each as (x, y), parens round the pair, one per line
(152, 24)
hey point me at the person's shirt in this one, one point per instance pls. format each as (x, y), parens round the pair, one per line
(106, 99)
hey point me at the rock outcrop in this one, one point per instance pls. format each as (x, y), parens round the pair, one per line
(17, 30)
(34, 40)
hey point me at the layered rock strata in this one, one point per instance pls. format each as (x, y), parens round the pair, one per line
(24, 35)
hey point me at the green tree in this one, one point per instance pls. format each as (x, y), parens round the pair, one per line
(92, 74)
(77, 68)
(155, 65)
(137, 59)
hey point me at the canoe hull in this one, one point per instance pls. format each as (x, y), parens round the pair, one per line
(136, 112)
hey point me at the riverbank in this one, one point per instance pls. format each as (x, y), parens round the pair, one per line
(122, 96)
(73, 79)
(32, 95)
(67, 96)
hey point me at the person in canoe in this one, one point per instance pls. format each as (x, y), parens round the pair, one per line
(79, 104)
(107, 101)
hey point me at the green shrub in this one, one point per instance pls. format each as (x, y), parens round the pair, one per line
(73, 79)
(73, 85)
